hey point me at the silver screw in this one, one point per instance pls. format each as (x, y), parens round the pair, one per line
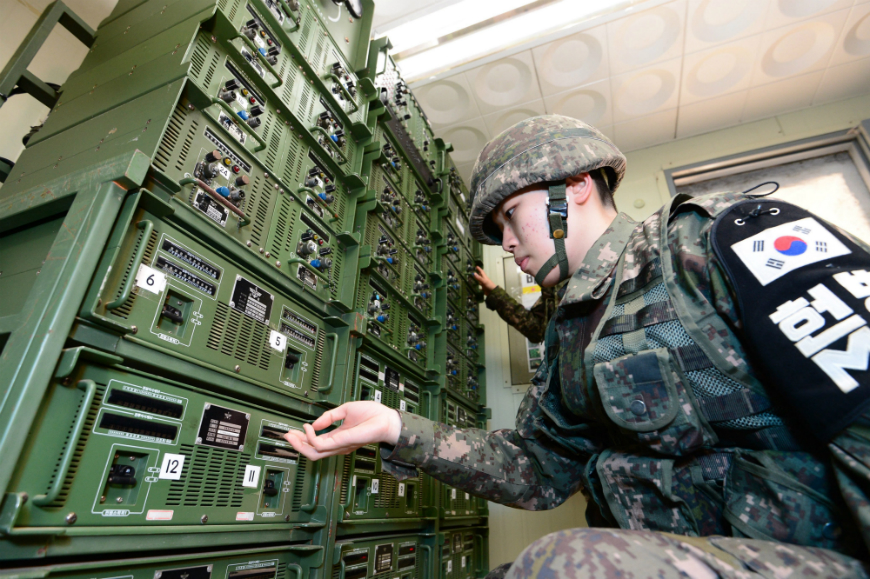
(286, 518)
(277, 264)
(204, 519)
(103, 499)
(24, 497)
(261, 250)
(71, 518)
(134, 329)
(190, 107)
(267, 254)
(119, 500)
(237, 368)
(248, 243)
(133, 457)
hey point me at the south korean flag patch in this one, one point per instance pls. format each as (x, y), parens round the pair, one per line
(780, 250)
(803, 293)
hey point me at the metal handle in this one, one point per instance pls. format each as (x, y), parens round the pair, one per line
(289, 13)
(332, 144)
(297, 570)
(431, 560)
(243, 219)
(311, 508)
(147, 227)
(328, 388)
(243, 126)
(90, 388)
(256, 54)
(428, 395)
(344, 91)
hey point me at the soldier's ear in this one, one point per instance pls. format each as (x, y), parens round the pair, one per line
(579, 188)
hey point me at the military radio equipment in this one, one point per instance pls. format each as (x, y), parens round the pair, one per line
(235, 217)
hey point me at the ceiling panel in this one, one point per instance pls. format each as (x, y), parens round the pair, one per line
(504, 83)
(573, 61)
(663, 70)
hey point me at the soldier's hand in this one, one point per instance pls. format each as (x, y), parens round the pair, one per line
(364, 423)
(480, 277)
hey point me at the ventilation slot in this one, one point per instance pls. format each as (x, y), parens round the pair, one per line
(185, 149)
(274, 142)
(198, 58)
(304, 102)
(345, 480)
(170, 137)
(206, 81)
(80, 448)
(282, 222)
(291, 169)
(289, 85)
(306, 32)
(387, 497)
(240, 337)
(318, 359)
(124, 310)
(262, 197)
(212, 477)
(299, 484)
(336, 274)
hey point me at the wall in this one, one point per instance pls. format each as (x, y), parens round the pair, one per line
(645, 184)
(642, 192)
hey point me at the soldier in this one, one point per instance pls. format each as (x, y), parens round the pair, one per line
(531, 323)
(705, 383)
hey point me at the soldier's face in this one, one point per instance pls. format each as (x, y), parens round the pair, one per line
(522, 218)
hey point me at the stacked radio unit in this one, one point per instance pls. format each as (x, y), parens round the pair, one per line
(235, 217)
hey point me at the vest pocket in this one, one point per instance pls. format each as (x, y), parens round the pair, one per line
(644, 395)
(785, 496)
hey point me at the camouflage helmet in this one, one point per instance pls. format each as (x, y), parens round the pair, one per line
(537, 150)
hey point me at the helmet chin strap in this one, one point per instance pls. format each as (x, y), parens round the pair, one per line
(557, 215)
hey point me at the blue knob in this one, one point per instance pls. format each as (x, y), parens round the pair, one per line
(263, 51)
(455, 249)
(223, 191)
(334, 138)
(417, 347)
(381, 318)
(390, 260)
(453, 327)
(453, 372)
(322, 196)
(315, 263)
(243, 115)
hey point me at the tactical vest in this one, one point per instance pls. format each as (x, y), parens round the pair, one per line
(697, 447)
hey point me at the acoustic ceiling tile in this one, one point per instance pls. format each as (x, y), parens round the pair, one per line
(854, 42)
(645, 91)
(780, 97)
(591, 103)
(504, 83)
(798, 49)
(646, 131)
(447, 101)
(608, 131)
(642, 39)
(572, 61)
(498, 122)
(783, 12)
(711, 114)
(844, 81)
(468, 139)
(712, 22)
(717, 71)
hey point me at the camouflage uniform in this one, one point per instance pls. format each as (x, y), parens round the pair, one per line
(648, 403)
(531, 323)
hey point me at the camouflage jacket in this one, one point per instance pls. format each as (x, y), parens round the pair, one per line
(531, 323)
(572, 433)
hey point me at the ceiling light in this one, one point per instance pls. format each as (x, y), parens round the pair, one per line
(445, 21)
(501, 35)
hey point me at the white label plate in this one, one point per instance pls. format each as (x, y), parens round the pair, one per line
(277, 340)
(252, 476)
(172, 466)
(150, 279)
